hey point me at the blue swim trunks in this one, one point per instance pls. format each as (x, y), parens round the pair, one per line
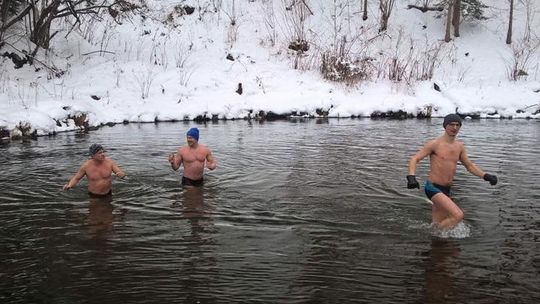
(431, 189)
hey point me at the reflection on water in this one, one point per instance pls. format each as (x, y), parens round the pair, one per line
(440, 279)
(296, 212)
(195, 210)
(100, 214)
(199, 263)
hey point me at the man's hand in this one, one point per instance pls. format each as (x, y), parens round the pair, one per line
(492, 179)
(171, 158)
(412, 182)
(66, 187)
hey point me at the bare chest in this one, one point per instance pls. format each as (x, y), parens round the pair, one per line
(447, 153)
(99, 171)
(193, 155)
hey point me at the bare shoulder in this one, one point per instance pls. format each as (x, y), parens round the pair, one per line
(86, 164)
(183, 149)
(204, 148)
(109, 161)
(460, 145)
(433, 143)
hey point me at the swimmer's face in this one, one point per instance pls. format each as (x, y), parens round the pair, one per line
(191, 141)
(452, 128)
(99, 155)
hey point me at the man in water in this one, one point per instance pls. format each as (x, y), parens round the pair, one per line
(444, 153)
(193, 156)
(98, 170)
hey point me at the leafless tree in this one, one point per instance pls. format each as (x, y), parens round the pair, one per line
(448, 35)
(40, 14)
(456, 17)
(364, 16)
(510, 23)
(426, 7)
(385, 6)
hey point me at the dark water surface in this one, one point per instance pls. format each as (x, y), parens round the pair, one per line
(297, 212)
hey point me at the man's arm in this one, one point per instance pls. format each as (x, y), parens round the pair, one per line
(469, 165)
(210, 161)
(175, 159)
(117, 170)
(474, 169)
(426, 150)
(76, 178)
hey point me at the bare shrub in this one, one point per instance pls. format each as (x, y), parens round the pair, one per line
(107, 35)
(144, 79)
(426, 61)
(231, 12)
(270, 22)
(523, 52)
(183, 52)
(342, 67)
(409, 63)
(305, 61)
(27, 92)
(184, 75)
(4, 78)
(296, 14)
(525, 49)
(159, 52)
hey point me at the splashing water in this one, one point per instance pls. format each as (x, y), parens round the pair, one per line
(460, 231)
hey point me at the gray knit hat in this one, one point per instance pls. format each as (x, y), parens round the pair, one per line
(95, 148)
(450, 118)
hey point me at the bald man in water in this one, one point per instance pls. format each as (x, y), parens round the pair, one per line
(98, 170)
(444, 153)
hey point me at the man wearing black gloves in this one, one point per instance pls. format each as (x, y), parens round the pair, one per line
(444, 153)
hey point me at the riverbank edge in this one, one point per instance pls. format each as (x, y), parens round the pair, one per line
(25, 130)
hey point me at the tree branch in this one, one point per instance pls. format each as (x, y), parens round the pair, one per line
(424, 9)
(16, 18)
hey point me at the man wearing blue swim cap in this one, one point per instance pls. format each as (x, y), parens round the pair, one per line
(194, 157)
(444, 153)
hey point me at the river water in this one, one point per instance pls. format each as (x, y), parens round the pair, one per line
(299, 211)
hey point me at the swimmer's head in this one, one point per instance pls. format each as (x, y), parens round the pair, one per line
(193, 133)
(450, 118)
(95, 148)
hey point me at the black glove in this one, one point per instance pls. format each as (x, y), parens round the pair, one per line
(492, 179)
(412, 182)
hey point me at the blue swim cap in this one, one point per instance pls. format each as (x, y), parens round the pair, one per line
(193, 132)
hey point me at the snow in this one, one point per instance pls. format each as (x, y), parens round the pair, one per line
(182, 71)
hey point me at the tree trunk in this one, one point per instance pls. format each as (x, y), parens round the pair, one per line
(4, 8)
(384, 23)
(41, 25)
(364, 17)
(385, 6)
(447, 36)
(456, 17)
(510, 23)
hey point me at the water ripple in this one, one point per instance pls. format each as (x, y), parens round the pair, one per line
(297, 212)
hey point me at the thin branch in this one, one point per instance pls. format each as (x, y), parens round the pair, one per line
(98, 52)
(424, 9)
(19, 17)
